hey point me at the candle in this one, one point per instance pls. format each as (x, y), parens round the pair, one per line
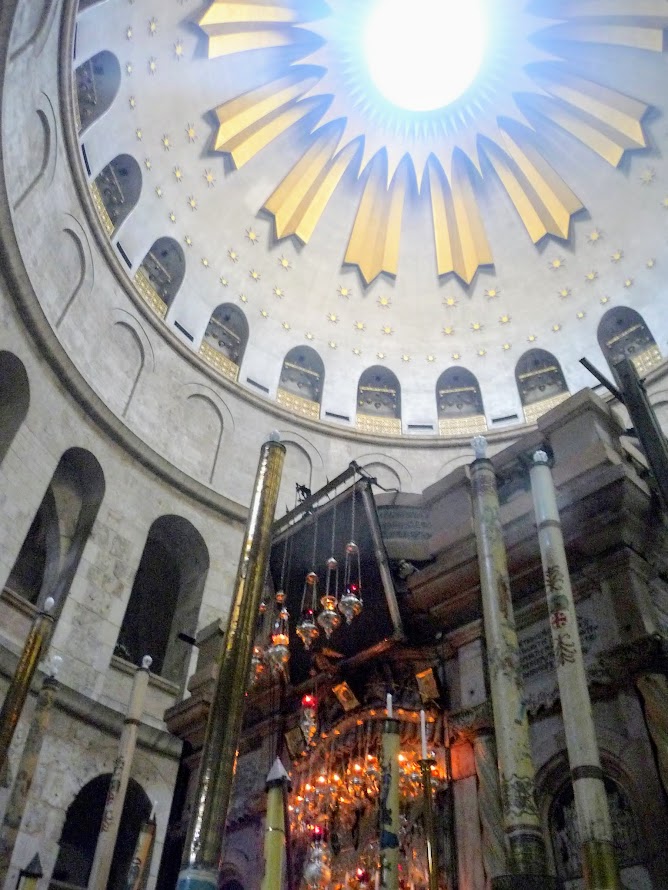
(152, 816)
(377, 881)
(389, 705)
(423, 734)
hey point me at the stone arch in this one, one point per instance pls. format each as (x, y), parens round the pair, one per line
(225, 340)
(209, 432)
(52, 549)
(379, 401)
(623, 333)
(301, 382)
(540, 382)
(297, 470)
(96, 84)
(14, 398)
(459, 403)
(390, 472)
(42, 147)
(116, 191)
(169, 581)
(161, 274)
(81, 828)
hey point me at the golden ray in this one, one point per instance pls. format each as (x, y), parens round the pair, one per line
(374, 241)
(459, 233)
(541, 197)
(300, 199)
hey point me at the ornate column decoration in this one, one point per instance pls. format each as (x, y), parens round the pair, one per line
(526, 846)
(489, 806)
(591, 804)
(26, 770)
(388, 804)
(274, 837)
(113, 807)
(15, 699)
(141, 861)
(204, 842)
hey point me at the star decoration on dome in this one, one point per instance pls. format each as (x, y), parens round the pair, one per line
(556, 264)
(179, 49)
(648, 176)
(192, 202)
(152, 65)
(405, 357)
(153, 26)
(209, 178)
(252, 236)
(565, 292)
(651, 263)
(233, 255)
(343, 291)
(590, 276)
(431, 358)
(359, 326)
(333, 317)
(285, 325)
(278, 292)
(532, 338)
(492, 293)
(628, 282)
(556, 328)
(264, 313)
(254, 274)
(504, 319)
(166, 142)
(384, 302)
(178, 174)
(448, 330)
(617, 256)
(456, 356)
(356, 350)
(223, 281)
(387, 330)
(505, 346)
(332, 344)
(450, 302)
(284, 263)
(604, 300)
(492, 131)
(594, 236)
(581, 314)
(476, 326)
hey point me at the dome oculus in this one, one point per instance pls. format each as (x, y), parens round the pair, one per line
(424, 56)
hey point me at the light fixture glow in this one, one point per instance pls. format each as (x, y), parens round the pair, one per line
(424, 54)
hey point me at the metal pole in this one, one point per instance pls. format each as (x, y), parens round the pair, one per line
(15, 699)
(18, 797)
(527, 855)
(591, 802)
(113, 807)
(274, 838)
(389, 806)
(429, 823)
(204, 842)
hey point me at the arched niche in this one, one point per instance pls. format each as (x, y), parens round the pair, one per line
(540, 382)
(161, 274)
(301, 382)
(14, 399)
(116, 191)
(379, 402)
(459, 403)
(166, 598)
(225, 340)
(96, 83)
(82, 826)
(50, 554)
(622, 333)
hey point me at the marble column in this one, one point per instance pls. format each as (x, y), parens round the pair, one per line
(113, 807)
(389, 806)
(525, 844)
(489, 806)
(600, 870)
(204, 843)
(25, 773)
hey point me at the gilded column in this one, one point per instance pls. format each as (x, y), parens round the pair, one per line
(526, 847)
(33, 648)
(388, 806)
(25, 772)
(113, 807)
(591, 804)
(489, 806)
(204, 842)
(274, 837)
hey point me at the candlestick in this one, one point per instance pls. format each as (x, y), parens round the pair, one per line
(389, 705)
(423, 734)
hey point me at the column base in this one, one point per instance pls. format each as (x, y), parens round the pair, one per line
(526, 882)
(197, 879)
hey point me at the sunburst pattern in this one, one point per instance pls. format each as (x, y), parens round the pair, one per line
(445, 156)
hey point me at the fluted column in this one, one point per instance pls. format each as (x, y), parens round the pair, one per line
(526, 847)
(204, 843)
(591, 804)
(113, 807)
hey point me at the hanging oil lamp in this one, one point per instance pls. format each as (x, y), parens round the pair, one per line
(278, 650)
(350, 604)
(329, 618)
(308, 720)
(317, 871)
(307, 629)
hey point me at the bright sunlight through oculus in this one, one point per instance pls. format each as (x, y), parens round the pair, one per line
(424, 54)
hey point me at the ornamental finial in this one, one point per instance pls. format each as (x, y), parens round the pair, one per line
(479, 445)
(540, 457)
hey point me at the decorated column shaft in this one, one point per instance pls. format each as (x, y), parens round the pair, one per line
(591, 803)
(113, 807)
(204, 842)
(526, 847)
(25, 773)
(274, 836)
(141, 860)
(388, 807)
(15, 698)
(429, 822)
(494, 855)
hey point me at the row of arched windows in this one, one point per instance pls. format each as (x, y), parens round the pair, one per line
(172, 571)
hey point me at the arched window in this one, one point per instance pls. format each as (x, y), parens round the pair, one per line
(564, 830)
(82, 826)
(459, 403)
(161, 274)
(96, 83)
(14, 399)
(166, 598)
(225, 340)
(49, 557)
(379, 402)
(300, 385)
(540, 382)
(622, 333)
(116, 191)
